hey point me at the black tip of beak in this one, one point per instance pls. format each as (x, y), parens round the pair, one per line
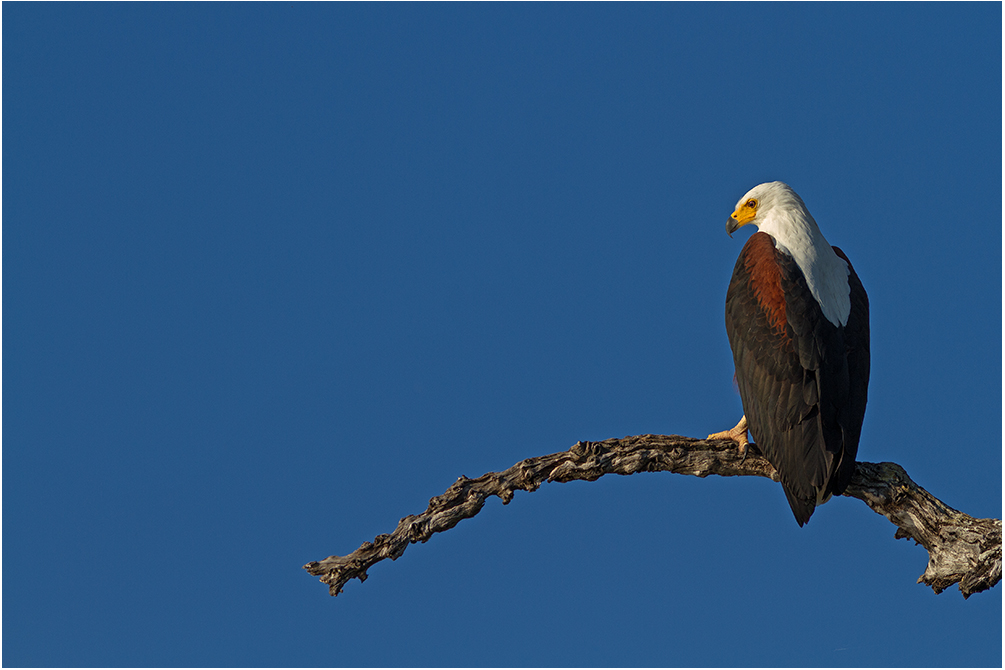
(731, 226)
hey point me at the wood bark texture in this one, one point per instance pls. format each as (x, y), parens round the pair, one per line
(961, 549)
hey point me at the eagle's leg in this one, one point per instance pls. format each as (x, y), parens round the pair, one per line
(738, 434)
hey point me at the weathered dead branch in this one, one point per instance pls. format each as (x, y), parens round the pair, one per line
(961, 549)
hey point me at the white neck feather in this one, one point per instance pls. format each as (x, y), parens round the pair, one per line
(796, 233)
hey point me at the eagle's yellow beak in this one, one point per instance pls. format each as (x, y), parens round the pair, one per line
(740, 217)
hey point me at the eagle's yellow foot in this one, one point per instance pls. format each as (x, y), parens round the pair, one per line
(738, 434)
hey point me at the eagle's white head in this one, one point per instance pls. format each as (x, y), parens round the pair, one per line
(774, 208)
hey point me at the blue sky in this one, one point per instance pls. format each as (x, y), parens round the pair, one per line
(276, 274)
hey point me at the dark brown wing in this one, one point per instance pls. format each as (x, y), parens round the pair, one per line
(856, 339)
(802, 392)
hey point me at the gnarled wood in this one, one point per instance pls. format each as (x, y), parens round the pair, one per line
(961, 549)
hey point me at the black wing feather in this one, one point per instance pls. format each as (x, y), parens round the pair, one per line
(856, 337)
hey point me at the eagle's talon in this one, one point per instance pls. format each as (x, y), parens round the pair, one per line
(737, 434)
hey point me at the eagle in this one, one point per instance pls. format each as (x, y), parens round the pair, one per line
(797, 318)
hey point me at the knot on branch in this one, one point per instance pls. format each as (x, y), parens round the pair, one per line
(587, 463)
(588, 449)
(449, 497)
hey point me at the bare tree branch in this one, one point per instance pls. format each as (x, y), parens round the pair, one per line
(961, 549)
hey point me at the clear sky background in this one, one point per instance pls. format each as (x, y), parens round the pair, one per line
(276, 274)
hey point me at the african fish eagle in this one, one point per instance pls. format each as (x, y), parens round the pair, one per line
(797, 318)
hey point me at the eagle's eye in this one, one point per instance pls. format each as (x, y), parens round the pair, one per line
(751, 203)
